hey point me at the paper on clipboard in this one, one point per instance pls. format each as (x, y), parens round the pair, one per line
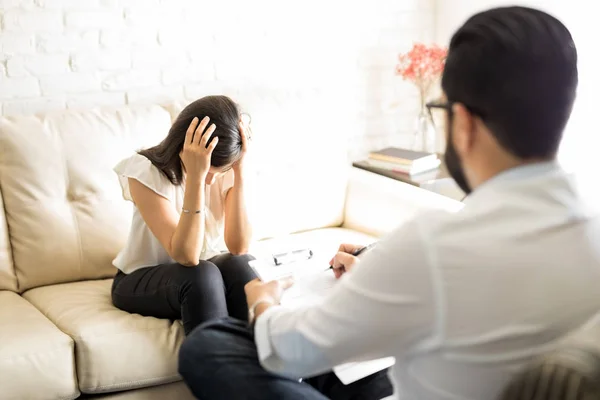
(351, 372)
(311, 285)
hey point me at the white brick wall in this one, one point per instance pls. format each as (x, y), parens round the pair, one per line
(37, 65)
(17, 88)
(32, 20)
(69, 83)
(316, 63)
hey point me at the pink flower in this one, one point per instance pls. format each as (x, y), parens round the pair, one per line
(422, 65)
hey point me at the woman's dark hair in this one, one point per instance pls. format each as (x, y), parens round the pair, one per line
(516, 68)
(569, 373)
(223, 112)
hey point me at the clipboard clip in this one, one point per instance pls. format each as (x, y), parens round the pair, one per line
(292, 256)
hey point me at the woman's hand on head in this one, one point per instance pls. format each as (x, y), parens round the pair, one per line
(245, 134)
(198, 148)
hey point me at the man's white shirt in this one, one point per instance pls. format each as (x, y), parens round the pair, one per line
(461, 300)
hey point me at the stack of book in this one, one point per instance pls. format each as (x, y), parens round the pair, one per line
(404, 161)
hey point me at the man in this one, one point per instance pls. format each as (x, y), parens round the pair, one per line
(461, 300)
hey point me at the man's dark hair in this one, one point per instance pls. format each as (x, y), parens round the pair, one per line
(516, 68)
(223, 112)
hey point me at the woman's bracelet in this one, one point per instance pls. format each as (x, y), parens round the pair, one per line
(183, 210)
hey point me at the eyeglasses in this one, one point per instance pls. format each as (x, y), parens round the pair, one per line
(439, 105)
(447, 105)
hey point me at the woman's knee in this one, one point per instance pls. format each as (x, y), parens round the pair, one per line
(200, 278)
(232, 259)
(235, 265)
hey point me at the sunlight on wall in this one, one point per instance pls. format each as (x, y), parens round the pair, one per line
(315, 75)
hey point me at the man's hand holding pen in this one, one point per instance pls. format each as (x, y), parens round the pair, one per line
(346, 258)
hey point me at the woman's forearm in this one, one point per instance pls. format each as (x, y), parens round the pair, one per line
(238, 229)
(188, 239)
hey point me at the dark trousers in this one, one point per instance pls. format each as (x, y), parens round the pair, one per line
(219, 360)
(211, 290)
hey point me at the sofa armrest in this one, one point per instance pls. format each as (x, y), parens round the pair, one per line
(376, 205)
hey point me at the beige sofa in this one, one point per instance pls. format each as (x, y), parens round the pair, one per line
(64, 220)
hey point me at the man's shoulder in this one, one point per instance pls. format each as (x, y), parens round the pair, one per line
(431, 221)
(423, 228)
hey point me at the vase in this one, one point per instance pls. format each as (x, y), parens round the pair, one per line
(424, 136)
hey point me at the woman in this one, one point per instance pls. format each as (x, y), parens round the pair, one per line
(188, 193)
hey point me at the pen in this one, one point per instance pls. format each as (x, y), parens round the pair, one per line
(357, 252)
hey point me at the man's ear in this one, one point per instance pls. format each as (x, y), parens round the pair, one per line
(463, 128)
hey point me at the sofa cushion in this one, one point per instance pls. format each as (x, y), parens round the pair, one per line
(299, 199)
(66, 216)
(176, 391)
(36, 358)
(301, 167)
(114, 350)
(8, 279)
(377, 205)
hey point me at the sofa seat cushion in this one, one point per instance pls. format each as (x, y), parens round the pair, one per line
(114, 350)
(36, 358)
(176, 391)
